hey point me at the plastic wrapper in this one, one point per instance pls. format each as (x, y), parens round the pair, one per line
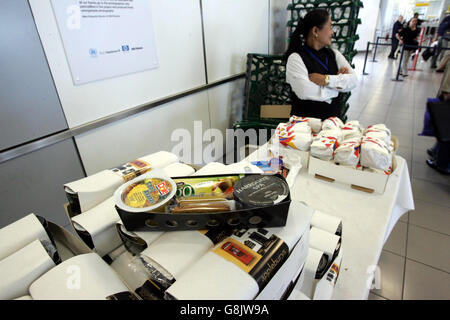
(348, 153)
(218, 186)
(292, 161)
(202, 206)
(332, 123)
(323, 148)
(143, 265)
(51, 250)
(375, 154)
(314, 123)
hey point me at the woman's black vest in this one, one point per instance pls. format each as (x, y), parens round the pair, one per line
(316, 109)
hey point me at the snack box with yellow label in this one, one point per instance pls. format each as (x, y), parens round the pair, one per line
(156, 202)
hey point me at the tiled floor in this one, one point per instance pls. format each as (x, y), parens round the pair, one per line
(415, 262)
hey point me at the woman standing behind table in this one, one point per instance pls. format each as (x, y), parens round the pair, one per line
(317, 74)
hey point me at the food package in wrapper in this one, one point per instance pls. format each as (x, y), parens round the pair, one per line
(353, 124)
(323, 148)
(351, 131)
(348, 153)
(380, 132)
(300, 127)
(332, 123)
(298, 141)
(314, 123)
(282, 130)
(297, 136)
(334, 133)
(375, 154)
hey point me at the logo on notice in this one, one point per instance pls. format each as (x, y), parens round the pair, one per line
(93, 52)
(125, 48)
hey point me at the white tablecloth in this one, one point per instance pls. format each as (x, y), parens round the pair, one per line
(368, 220)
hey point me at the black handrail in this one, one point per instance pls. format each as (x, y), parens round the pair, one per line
(367, 54)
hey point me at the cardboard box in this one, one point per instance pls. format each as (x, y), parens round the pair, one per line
(288, 272)
(275, 111)
(357, 179)
(323, 288)
(365, 181)
(69, 246)
(274, 290)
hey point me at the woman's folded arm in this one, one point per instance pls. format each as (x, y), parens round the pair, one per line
(297, 76)
(343, 82)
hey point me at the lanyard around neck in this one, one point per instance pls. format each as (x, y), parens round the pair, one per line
(325, 65)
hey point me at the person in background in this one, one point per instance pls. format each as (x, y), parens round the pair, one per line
(398, 26)
(408, 37)
(419, 21)
(440, 153)
(444, 61)
(442, 36)
(316, 73)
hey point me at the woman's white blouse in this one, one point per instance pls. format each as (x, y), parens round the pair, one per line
(298, 77)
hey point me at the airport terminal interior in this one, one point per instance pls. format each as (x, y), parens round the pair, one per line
(300, 147)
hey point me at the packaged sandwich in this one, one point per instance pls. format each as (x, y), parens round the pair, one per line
(323, 148)
(348, 153)
(332, 123)
(351, 130)
(300, 128)
(375, 154)
(314, 123)
(298, 141)
(333, 133)
(380, 132)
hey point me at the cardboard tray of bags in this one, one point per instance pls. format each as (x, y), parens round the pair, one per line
(365, 181)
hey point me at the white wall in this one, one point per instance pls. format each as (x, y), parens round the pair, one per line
(178, 37)
(232, 28)
(142, 134)
(369, 18)
(279, 16)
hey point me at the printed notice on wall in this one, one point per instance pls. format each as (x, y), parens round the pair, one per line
(106, 38)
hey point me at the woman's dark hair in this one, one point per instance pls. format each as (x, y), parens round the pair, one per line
(315, 18)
